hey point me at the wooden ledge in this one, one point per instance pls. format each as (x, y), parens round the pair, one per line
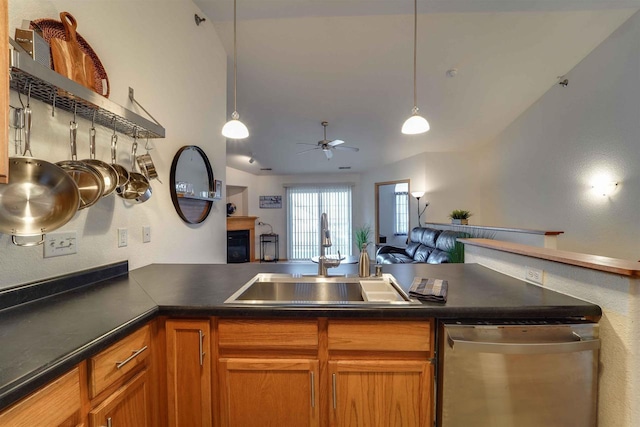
(594, 262)
(488, 227)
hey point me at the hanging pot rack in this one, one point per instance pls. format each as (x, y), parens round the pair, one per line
(56, 90)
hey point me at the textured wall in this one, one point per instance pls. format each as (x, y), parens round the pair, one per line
(178, 72)
(538, 173)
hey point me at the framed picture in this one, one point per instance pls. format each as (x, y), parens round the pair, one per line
(218, 190)
(270, 202)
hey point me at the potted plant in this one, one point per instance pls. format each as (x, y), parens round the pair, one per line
(460, 217)
(363, 234)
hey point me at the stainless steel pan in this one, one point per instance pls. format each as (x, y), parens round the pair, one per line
(107, 172)
(86, 177)
(138, 189)
(39, 198)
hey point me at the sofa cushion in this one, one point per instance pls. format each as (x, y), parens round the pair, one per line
(447, 240)
(429, 237)
(438, 257)
(422, 253)
(411, 248)
(393, 258)
(416, 234)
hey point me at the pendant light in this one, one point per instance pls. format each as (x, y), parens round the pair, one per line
(415, 124)
(234, 128)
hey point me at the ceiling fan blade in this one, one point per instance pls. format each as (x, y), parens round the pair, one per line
(329, 154)
(336, 142)
(354, 149)
(306, 143)
(306, 151)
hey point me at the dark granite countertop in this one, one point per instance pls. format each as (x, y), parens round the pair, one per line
(44, 338)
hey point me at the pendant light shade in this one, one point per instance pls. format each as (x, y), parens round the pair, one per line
(234, 128)
(415, 124)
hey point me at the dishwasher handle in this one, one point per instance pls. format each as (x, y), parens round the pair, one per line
(522, 348)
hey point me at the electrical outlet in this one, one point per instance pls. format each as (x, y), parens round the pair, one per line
(58, 244)
(534, 275)
(123, 237)
(146, 234)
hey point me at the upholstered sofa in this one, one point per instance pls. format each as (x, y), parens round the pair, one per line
(425, 245)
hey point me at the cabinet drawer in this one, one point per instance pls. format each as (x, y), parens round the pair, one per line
(380, 335)
(116, 361)
(268, 334)
(50, 406)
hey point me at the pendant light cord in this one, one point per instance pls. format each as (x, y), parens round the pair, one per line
(235, 60)
(415, 43)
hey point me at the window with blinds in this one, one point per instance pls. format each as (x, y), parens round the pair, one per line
(401, 226)
(305, 204)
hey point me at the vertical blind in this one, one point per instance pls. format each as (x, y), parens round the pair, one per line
(305, 205)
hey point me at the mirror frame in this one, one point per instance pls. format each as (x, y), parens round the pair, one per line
(205, 203)
(377, 190)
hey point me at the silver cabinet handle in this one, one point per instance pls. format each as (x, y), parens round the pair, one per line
(127, 360)
(335, 402)
(313, 391)
(109, 422)
(201, 347)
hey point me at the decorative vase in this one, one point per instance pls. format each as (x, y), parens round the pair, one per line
(363, 263)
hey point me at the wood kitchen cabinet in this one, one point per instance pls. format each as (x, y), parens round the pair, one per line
(269, 392)
(4, 94)
(380, 373)
(127, 407)
(381, 393)
(57, 404)
(189, 399)
(269, 372)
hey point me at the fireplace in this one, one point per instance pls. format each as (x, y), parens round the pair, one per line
(238, 248)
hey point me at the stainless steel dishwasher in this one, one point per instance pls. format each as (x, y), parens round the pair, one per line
(518, 374)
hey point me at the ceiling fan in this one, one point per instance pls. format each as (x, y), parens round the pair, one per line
(328, 146)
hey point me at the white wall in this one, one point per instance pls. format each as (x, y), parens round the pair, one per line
(538, 172)
(448, 180)
(178, 71)
(274, 186)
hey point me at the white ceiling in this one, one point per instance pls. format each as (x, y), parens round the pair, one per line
(350, 62)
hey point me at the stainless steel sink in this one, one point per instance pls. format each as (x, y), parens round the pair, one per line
(288, 289)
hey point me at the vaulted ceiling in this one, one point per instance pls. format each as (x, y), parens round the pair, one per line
(349, 62)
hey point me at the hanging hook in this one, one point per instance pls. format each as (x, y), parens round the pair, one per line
(146, 144)
(93, 119)
(114, 125)
(75, 110)
(53, 103)
(20, 94)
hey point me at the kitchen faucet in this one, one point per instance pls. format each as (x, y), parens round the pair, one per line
(325, 263)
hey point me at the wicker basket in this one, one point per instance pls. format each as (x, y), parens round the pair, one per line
(51, 28)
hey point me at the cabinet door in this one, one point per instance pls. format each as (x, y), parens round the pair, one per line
(4, 94)
(188, 373)
(381, 393)
(269, 392)
(126, 407)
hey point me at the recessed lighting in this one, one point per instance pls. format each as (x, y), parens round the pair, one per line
(265, 169)
(344, 167)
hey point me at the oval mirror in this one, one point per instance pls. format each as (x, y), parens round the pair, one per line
(192, 184)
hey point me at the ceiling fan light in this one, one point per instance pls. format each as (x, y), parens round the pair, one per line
(234, 128)
(415, 125)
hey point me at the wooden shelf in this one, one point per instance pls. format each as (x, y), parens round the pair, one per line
(593, 262)
(489, 227)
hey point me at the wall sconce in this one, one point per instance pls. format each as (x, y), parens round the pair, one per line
(418, 195)
(605, 188)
